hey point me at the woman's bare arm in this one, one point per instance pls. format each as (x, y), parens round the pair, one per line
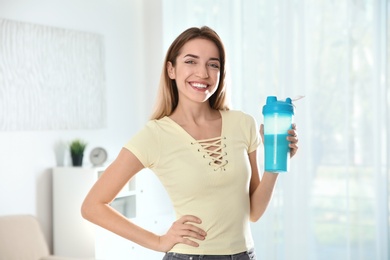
(97, 210)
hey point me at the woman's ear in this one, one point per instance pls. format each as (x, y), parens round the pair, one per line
(171, 70)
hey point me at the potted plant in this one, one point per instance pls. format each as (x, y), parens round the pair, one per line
(77, 148)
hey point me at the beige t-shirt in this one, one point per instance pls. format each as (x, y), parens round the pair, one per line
(213, 187)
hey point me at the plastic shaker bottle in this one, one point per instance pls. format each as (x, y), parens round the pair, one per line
(278, 117)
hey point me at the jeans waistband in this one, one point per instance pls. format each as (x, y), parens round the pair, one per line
(249, 254)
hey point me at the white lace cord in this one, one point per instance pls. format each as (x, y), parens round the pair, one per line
(296, 99)
(212, 149)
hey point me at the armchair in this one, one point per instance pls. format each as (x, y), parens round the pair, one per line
(21, 238)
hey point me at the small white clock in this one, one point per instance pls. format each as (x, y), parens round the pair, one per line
(98, 156)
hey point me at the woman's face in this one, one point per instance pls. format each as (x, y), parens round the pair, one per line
(196, 71)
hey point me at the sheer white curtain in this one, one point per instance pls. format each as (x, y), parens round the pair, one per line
(334, 204)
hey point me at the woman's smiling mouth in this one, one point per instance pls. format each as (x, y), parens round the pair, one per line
(198, 85)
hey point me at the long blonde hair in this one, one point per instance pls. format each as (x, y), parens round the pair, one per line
(168, 96)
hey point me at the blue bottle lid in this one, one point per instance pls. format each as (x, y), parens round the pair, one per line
(278, 106)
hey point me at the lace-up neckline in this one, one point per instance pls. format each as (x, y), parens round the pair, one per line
(212, 150)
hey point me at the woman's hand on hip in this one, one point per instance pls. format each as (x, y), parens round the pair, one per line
(184, 232)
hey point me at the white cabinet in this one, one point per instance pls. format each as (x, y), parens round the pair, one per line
(143, 200)
(72, 235)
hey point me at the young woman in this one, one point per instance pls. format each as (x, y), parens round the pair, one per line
(202, 152)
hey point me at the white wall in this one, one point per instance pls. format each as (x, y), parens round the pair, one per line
(130, 29)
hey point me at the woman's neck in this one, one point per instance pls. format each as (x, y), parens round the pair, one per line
(194, 114)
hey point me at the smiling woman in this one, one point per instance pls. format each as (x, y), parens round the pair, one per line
(196, 68)
(167, 98)
(204, 155)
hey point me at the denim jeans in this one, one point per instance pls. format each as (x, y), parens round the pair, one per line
(248, 255)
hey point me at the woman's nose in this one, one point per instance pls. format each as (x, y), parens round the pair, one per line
(202, 72)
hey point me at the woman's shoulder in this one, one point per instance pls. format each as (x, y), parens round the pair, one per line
(152, 129)
(158, 125)
(153, 123)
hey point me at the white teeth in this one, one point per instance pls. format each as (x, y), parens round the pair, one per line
(198, 85)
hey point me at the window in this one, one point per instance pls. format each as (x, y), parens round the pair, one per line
(334, 204)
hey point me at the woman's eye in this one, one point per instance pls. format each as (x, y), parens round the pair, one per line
(190, 62)
(214, 65)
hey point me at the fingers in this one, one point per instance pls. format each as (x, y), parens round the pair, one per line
(262, 129)
(188, 230)
(293, 149)
(293, 139)
(184, 231)
(262, 132)
(190, 218)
